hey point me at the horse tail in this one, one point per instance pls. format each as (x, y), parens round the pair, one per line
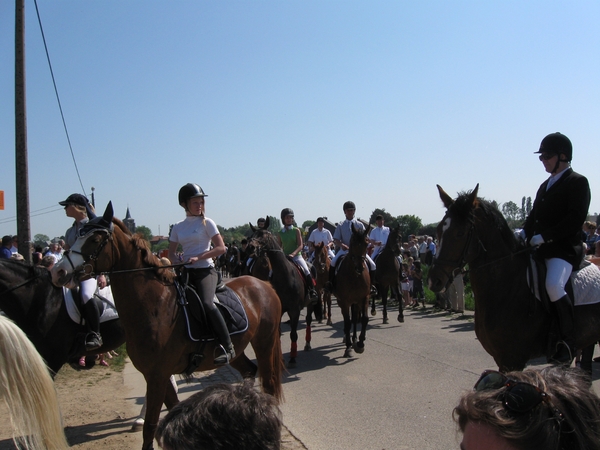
(277, 367)
(28, 389)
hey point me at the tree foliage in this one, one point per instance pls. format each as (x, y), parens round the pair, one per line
(41, 240)
(144, 231)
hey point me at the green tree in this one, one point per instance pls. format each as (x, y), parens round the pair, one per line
(144, 231)
(409, 224)
(388, 219)
(428, 230)
(163, 245)
(510, 210)
(41, 240)
(307, 224)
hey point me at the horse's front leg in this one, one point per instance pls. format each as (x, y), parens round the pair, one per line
(156, 388)
(360, 345)
(294, 319)
(308, 334)
(384, 302)
(396, 293)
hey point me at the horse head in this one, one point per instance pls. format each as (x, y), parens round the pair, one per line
(394, 242)
(93, 236)
(266, 227)
(321, 261)
(357, 250)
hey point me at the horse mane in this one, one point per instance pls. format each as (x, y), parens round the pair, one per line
(148, 258)
(34, 411)
(464, 208)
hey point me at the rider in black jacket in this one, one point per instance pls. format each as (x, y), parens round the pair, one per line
(554, 224)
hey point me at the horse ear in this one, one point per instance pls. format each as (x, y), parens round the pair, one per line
(446, 199)
(108, 213)
(473, 195)
(252, 227)
(267, 223)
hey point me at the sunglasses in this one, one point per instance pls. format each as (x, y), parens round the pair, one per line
(546, 156)
(518, 397)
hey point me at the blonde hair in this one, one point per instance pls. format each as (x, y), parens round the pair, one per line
(28, 390)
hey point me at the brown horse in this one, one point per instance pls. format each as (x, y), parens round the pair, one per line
(510, 323)
(352, 290)
(387, 274)
(321, 264)
(155, 325)
(289, 285)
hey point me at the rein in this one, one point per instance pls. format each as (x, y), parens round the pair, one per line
(14, 288)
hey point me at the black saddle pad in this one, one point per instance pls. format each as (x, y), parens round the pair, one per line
(230, 306)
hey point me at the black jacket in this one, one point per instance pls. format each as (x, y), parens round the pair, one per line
(558, 215)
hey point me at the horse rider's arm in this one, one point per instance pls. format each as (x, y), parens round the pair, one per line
(298, 243)
(217, 250)
(173, 250)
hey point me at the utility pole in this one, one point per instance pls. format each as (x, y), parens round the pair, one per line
(22, 174)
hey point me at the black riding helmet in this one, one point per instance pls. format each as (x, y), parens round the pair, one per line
(557, 144)
(349, 205)
(188, 191)
(286, 212)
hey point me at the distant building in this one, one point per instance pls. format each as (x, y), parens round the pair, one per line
(129, 222)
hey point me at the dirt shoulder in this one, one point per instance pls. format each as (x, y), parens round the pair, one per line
(97, 412)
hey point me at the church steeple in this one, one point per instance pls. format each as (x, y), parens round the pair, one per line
(129, 222)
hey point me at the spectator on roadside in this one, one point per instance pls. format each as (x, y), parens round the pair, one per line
(553, 408)
(36, 258)
(422, 245)
(48, 262)
(15, 244)
(5, 249)
(431, 249)
(223, 417)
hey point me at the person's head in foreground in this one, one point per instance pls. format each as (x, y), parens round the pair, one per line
(223, 417)
(549, 409)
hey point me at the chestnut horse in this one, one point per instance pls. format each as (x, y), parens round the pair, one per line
(321, 264)
(512, 326)
(353, 289)
(289, 285)
(387, 274)
(155, 325)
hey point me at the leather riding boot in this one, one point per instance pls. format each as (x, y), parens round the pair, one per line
(222, 333)
(312, 292)
(373, 288)
(329, 284)
(565, 349)
(92, 319)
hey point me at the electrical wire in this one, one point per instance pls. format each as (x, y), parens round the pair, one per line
(58, 97)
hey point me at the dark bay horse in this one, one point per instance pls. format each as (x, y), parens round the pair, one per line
(289, 285)
(28, 298)
(321, 265)
(387, 274)
(510, 323)
(352, 290)
(155, 325)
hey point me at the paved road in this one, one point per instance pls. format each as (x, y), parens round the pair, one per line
(398, 394)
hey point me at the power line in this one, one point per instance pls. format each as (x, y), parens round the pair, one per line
(58, 97)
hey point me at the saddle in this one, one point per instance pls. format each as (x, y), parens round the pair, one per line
(227, 301)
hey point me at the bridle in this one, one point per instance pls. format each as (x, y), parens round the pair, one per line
(91, 258)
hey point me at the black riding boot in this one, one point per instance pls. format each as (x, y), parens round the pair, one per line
(329, 284)
(93, 340)
(220, 329)
(312, 292)
(373, 288)
(565, 349)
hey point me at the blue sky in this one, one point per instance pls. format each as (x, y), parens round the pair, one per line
(301, 104)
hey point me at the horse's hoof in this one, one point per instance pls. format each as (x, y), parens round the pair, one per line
(373, 312)
(349, 353)
(138, 425)
(385, 320)
(401, 318)
(320, 321)
(359, 347)
(307, 347)
(329, 322)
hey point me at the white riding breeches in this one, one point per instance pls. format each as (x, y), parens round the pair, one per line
(558, 272)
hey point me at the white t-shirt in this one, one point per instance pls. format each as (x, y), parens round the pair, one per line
(194, 233)
(380, 234)
(317, 236)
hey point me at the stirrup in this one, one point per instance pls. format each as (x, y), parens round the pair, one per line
(93, 341)
(225, 357)
(563, 354)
